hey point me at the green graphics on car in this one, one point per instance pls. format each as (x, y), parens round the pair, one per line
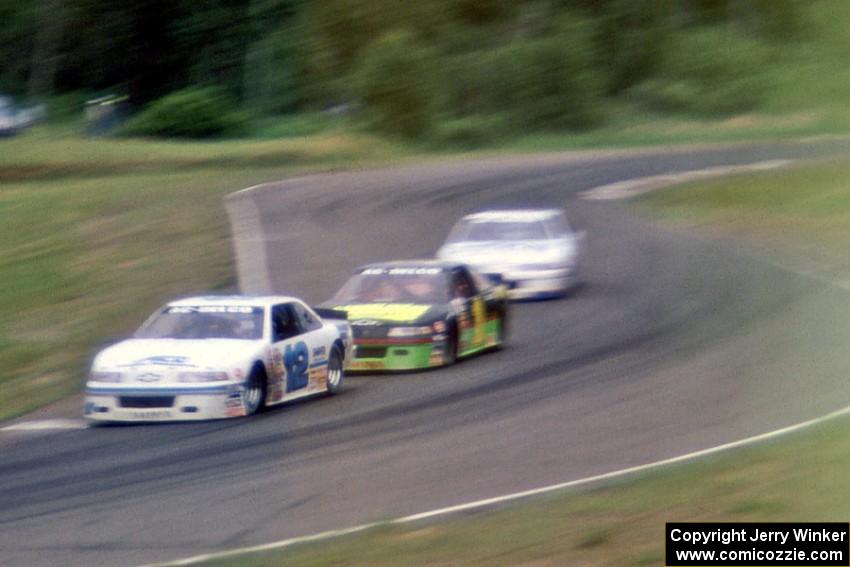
(409, 315)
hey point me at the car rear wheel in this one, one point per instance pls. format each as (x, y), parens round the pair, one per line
(254, 394)
(502, 337)
(451, 347)
(336, 373)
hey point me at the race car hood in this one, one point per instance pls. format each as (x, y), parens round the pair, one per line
(391, 313)
(177, 355)
(499, 253)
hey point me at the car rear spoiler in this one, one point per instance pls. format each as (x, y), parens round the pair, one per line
(330, 313)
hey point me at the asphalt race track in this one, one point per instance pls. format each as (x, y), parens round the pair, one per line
(675, 344)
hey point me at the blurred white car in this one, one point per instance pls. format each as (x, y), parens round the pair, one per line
(216, 357)
(533, 252)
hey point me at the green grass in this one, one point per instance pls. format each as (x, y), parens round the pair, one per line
(798, 478)
(85, 259)
(50, 153)
(647, 130)
(298, 125)
(803, 210)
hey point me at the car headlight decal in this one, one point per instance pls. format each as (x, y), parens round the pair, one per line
(409, 331)
(101, 376)
(202, 377)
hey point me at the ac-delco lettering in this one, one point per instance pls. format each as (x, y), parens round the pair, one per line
(212, 309)
(401, 271)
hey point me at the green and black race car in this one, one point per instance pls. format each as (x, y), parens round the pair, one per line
(412, 314)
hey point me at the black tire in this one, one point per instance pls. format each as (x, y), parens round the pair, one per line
(254, 395)
(336, 371)
(504, 328)
(451, 346)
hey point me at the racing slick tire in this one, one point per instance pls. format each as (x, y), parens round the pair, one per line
(451, 346)
(254, 396)
(336, 371)
(504, 328)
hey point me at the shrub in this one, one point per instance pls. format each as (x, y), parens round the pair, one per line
(396, 83)
(547, 87)
(633, 37)
(546, 83)
(274, 73)
(188, 113)
(713, 71)
(467, 132)
(67, 107)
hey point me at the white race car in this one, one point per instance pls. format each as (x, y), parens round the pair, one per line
(534, 252)
(217, 357)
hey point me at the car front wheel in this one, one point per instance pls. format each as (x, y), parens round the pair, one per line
(254, 394)
(336, 373)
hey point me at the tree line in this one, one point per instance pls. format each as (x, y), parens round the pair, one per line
(405, 64)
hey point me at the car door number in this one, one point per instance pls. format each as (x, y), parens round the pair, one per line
(296, 360)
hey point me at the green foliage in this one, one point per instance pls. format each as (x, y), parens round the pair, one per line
(17, 30)
(468, 132)
(546, 83)
(541, 84)
(274, 73)
(481, 11)
(68, 106)
(781, 20)
(535, 64)
(709, 71)
(189, 113)
(396, 81)
(335, 34)
(215, 39)
(633, 37)
(300, 125)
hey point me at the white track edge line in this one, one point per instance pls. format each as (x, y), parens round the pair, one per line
(45, 425)
(477, 504)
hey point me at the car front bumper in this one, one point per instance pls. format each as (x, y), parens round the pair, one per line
(375, 356)
(163, 404)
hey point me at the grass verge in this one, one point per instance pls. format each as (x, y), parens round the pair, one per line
(804, 210)
(796, 479)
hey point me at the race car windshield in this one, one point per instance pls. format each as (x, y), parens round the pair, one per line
(204, 322)
(488, 231)
(392, 286)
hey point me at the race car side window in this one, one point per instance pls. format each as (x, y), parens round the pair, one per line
(462, 285)
(307, 319)
(284, 323)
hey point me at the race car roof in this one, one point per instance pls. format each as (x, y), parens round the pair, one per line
(246, 300)
(513, 215)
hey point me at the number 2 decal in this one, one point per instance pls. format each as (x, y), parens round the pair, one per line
(296, 359)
